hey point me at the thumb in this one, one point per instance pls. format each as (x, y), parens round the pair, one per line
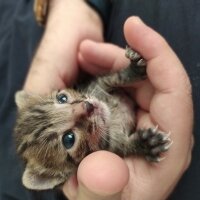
(102, 175)
(164, 70)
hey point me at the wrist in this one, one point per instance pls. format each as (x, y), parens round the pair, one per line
(74, 17)
(77, 21)
(102, 7)
(63, 9)
(65, 29)
(41, 10)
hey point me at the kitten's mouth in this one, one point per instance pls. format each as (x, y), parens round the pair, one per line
(98, 109)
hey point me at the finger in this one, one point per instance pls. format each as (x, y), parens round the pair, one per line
(171, 106)
(102, 175)
(142, 92)
(98, 58)
(101, 58)
(70, 188)
(91, 68)
(165, 71)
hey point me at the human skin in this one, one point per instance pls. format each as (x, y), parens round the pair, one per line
(54, 65)
(164, 100)
(103, 175)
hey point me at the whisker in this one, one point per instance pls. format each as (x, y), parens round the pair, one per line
(101, 130)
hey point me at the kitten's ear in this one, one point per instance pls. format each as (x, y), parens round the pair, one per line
(21, 98)
(34, 181)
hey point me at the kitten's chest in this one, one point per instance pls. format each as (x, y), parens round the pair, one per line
(122, 111)
(121, 107)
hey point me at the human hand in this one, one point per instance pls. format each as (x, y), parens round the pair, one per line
(55, 64)
(164, 100)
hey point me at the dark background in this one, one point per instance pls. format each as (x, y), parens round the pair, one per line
(177, 21)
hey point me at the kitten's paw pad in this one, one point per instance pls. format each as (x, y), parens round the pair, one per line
(135, 57)
(153, 143)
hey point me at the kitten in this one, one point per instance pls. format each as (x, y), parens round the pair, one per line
(54, 133)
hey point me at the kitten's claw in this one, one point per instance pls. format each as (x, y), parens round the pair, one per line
(141, 63)
(152, 143)
(135, 57)
(167, 136)
(137, 65)
(131, 54)
(155, 129)
(154, 159)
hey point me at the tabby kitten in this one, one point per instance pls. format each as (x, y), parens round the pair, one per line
(54, 133)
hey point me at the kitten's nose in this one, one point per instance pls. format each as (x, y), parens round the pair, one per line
(89, 107)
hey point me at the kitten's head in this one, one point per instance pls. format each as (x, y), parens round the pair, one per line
(54, 133)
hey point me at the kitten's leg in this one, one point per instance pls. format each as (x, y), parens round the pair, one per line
(137, 63)
(149, 143)
(134, 72)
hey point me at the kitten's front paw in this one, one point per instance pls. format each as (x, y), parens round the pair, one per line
(152, 143)
(135, 57)
(138, 63)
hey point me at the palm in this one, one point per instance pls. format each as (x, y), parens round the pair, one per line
(164, 100)
(159, 100)
(157, 107)
(146, 178)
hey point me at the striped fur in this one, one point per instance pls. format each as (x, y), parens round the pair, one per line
(42, 121)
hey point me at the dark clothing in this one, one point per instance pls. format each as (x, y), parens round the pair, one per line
(177, 21)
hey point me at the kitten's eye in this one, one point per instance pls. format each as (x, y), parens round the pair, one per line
(68, 139)
(62, 98)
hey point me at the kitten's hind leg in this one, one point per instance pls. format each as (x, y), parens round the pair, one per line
(150, 143)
